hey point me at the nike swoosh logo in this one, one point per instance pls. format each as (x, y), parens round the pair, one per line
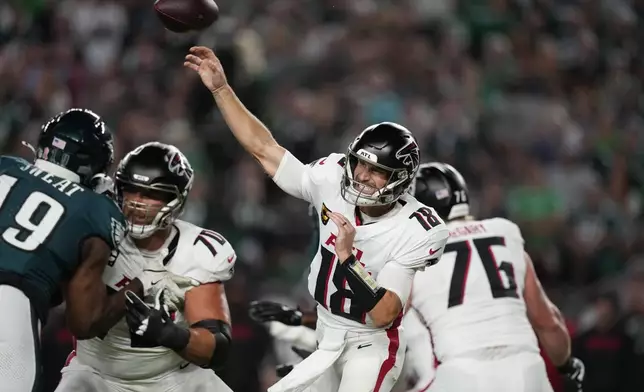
(364, 345)
(185, 365)
(433, 251)
(231, 258)
(153, 283)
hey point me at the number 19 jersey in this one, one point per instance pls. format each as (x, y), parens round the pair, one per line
(473, 298)
(43, 221)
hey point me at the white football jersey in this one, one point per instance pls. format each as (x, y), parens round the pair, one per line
(411, 235)
(190, 251)
(473, 298)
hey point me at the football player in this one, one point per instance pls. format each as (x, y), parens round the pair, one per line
(57, 231)
(153, 348)
(373, 239)
(483, 303)
(296, 327)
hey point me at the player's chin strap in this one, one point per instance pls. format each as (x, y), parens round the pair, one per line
(365, 289)
(30, 147)
(222, 332)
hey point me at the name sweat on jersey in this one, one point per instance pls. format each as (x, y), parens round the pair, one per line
(409, 237)
(473, 298)
(190, 251)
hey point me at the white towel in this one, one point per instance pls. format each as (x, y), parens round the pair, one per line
(306, 372)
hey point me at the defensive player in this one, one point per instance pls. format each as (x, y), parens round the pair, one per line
(483, 303)
(56, 230)
(379, 237)
(151, 349)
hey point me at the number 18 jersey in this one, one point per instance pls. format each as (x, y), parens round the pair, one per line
(473, 298)
(409, 237)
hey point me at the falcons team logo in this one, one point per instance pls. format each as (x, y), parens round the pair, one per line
(409, 154)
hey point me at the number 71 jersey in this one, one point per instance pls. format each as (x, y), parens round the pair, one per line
(473, 298)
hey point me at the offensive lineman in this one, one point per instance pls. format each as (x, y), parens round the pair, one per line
(483, 303)
(150, 349)
(361, 275)
(57, 231)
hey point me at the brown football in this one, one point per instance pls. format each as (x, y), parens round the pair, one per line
(185, 15)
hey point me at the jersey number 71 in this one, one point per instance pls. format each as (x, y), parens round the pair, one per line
(501, 288)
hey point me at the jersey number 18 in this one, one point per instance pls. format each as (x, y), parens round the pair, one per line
(35, 220)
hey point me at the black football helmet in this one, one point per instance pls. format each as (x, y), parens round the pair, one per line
(389, 147)
(158, 171)
(440, 186)
(77, 140)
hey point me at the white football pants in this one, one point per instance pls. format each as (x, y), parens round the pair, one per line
(19, 342)
(77, 377)
(520, 372)
(370, 362)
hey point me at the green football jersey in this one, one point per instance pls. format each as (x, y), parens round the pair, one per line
(43, 222)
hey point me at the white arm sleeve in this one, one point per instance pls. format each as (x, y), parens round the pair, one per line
(419, 360)
(294, 177)
(397, 279)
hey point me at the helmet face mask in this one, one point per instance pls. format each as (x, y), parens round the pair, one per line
(388, 149)
(152, 186)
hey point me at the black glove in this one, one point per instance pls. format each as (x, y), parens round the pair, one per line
(152, 326)
(263, 311)
(302, 353)
(283, 370)
(573, 371)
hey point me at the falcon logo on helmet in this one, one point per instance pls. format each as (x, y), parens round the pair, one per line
(409, 155)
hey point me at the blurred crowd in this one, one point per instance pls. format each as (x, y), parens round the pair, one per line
(538, 102)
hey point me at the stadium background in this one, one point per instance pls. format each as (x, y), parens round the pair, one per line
(538, 102)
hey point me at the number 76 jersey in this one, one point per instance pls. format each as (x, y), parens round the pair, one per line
(473, 298)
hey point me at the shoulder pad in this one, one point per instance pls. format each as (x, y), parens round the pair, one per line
(213, 257)
(506, 228)
(423, 243)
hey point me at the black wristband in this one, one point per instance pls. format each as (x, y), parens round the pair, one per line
(175, 337)
(365, 289)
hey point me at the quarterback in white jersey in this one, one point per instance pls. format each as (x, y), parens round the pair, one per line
(295, 327)
(373, 239)
(483, 302)
(176, 344)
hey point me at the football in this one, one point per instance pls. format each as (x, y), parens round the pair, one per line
(181, 16)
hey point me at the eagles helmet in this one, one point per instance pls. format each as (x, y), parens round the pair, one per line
(440, 186)
(389, 147)
(76, 140)
(157, 171)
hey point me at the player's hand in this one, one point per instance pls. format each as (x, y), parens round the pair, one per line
(102, 184)
(153, 326)
(174, 286)
(264, 311)
(573, 372)
(346, 235)
(207, 65)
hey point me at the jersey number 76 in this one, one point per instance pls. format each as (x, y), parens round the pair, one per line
(496, 272)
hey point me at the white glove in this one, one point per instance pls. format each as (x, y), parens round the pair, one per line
(174, 286)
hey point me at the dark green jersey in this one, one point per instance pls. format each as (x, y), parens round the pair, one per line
(43, 222)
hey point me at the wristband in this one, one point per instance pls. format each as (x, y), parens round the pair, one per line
(174, 337)
(365, 289)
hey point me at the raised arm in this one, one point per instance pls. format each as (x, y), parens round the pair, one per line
(249, 131)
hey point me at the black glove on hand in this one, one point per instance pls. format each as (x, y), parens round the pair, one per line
(283, 370)
(263, 311)
(573, 371)
(152, 326)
